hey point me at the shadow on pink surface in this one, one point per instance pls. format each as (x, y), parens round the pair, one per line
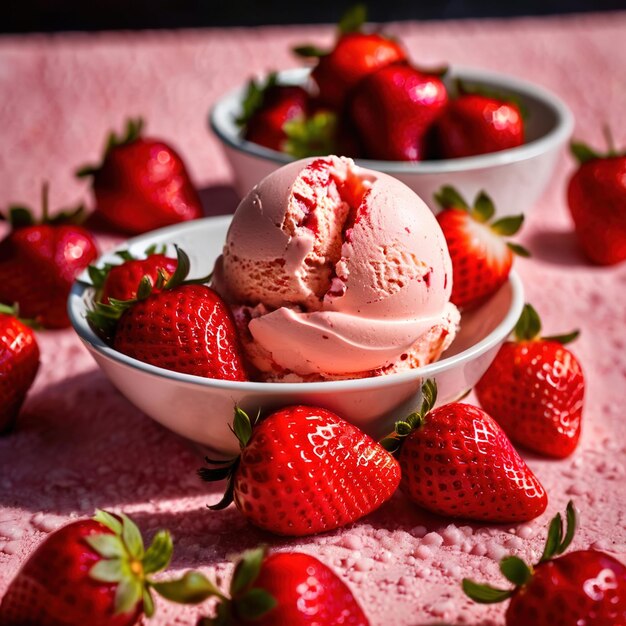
(557, 247)
(218, 200)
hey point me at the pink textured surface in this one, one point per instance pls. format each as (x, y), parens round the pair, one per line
(81, 445)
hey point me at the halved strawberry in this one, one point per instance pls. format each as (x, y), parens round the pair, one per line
(304, 470)
(481, 258)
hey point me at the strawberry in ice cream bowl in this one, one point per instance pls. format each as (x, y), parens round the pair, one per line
(338, 281)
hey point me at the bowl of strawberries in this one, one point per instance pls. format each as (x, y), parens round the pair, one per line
(365, 99)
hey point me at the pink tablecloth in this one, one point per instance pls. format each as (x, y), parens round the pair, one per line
(81, 445)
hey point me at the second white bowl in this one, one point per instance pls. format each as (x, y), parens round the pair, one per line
(514, 178)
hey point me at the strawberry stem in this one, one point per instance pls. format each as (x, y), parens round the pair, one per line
(45, 207)
(608, 135)
(353, 19)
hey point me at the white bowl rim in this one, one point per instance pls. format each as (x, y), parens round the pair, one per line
(555, 137)
(76, 310)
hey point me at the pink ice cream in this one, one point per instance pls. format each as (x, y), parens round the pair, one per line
(335, 271)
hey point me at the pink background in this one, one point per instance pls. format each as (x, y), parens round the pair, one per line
(81, 445)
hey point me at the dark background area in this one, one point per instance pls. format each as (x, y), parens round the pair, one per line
(63, 15)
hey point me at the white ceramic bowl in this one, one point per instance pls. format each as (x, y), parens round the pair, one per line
(514, 178)
(201, 409)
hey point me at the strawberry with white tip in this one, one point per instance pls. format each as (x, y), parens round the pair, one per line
(481, 257)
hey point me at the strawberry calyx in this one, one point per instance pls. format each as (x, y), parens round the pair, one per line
(584, 153)
(19, 216)
(351, 21)
(245, 602)
(125, 561)
(241, 427)
(14, 311)
(482, 211)
(104, 317)
(516, 571)
(133, 130)
(528, 328)
(403, 428)
(311, 136)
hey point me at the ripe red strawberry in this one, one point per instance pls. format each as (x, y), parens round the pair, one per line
(596, 195)
(393, 109)
(285, 588)
(91, 572)
(477, 123)
(142, 183)
(304, 470)
(586, 587)
(481, 258)
(19, 362)
(180, 325)
(355, 55)
(39, 262)
(282, 588)
(535, 389)
(456, 461)
(267, 107)
(121, 282)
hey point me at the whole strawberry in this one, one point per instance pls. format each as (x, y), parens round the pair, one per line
(19, 362)
(267, 107)
(535, 389)
(586, 587)
(91, 572)
(477, 123)
(355, 55)
(304, 470)
(285, 588)
(282, 117)
(481, 258)
(596, 196)
(177, 324)
(39, 262)
(122, 281)
(456, 461)
(393, 109)
(142, 183)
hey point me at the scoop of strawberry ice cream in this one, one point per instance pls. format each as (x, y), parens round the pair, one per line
(335, 271)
